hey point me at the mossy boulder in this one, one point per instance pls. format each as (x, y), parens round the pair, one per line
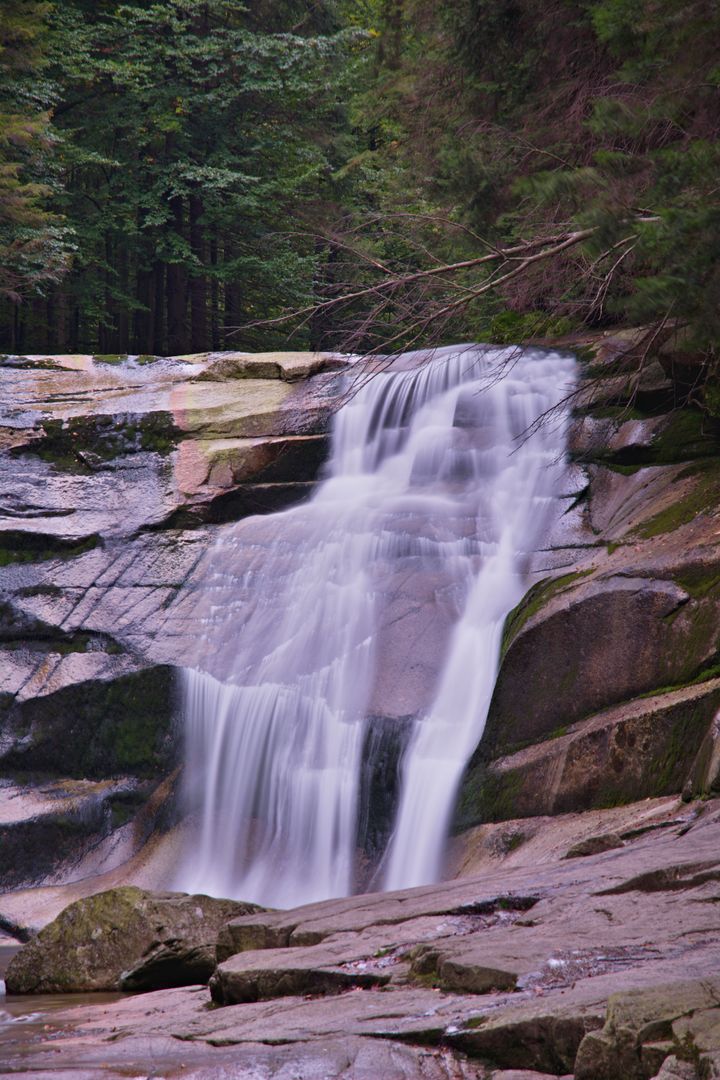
(124, 938)
(645, 1027)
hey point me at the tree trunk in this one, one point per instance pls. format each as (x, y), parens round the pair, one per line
(158, 309)
(392, 38)
(214, 295)
(233, 300)
(198, 280)
(143, 318)
(74, 343)
(106, 320)
(321, 320)
(122, 319)
(37, 326)
(61, 320)
(176, 289)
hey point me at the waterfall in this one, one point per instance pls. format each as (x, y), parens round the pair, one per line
(349, 646)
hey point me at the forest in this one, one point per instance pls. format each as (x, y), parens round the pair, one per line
(184, 176)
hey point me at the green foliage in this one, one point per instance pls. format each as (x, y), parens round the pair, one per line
(193, 142)
(210, 165)
(512, 327)
(523, 120)
(33, 251)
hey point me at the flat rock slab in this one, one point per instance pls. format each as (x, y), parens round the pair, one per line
(253, 976)
(517, 888)
(288, 366)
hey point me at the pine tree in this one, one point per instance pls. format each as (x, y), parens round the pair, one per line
(33, 252)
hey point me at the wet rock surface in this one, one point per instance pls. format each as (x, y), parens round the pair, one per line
(613, 956)
(619, 637)
(117, 471)
(114, 477)
(113, 470)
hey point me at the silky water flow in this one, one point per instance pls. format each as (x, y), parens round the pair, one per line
(438, 476)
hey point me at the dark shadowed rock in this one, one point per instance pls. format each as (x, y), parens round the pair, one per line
(92, 716)
(124, 938)
(591, 644)
(648, 747)
(535, 1037)
(45, 825)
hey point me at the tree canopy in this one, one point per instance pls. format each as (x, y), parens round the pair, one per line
(177, 176)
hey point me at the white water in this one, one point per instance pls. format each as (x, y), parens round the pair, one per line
(433, 480)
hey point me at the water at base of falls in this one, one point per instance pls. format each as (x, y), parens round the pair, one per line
(349, 646)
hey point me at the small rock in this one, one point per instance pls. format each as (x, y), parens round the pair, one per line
(673, 1069)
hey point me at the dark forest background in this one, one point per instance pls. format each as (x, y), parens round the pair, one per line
(177, 176)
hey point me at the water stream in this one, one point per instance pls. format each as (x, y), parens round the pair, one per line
(350, 645)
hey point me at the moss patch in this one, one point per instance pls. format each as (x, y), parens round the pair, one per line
(104, 436)
(533, 601)
(699, 580)
(21, 547)
(97, 728)
(486, 796)
(704, 495)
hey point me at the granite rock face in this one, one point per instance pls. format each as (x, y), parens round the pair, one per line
(116, 473)
(113, 471)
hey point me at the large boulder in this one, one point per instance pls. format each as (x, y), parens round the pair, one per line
(124, 938)
(585, 644)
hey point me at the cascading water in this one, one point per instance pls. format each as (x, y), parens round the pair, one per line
(435, 500)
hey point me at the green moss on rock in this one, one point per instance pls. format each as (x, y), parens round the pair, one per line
(125, 935)
(97, 728)
(27, 547)
(533, 601)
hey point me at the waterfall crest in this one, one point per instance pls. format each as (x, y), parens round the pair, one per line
(401, 569)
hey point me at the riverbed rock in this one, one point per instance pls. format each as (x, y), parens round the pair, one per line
(254, 976)
(613, 953)
(645, 1027)
(124, 938)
